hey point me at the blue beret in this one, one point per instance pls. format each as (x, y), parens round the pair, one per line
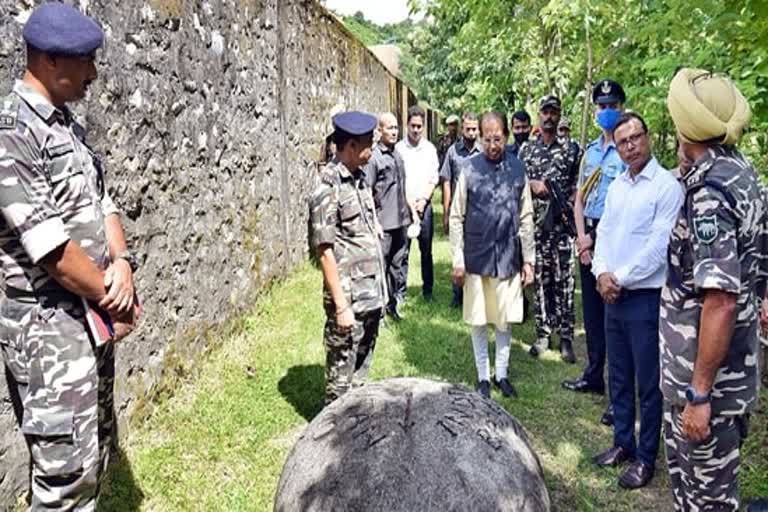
(354, 123)
(60, 29)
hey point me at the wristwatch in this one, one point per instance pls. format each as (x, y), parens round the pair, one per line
(695, 398)
(130, 258)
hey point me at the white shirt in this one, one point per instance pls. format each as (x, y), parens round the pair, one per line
(421, 168)
(633, 233)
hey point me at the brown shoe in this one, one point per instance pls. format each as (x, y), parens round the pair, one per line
(611, 457)
(637, 475)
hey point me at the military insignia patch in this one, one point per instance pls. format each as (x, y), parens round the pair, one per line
(7, 121)
(706, 228)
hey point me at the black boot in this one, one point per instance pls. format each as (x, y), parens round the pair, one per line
(566, 352)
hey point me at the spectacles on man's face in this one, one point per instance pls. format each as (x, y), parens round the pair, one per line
(633, 139)
(493, 141)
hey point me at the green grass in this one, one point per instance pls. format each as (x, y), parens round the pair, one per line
(219, 443)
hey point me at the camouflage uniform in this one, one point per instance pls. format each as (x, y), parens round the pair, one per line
(344, 216)
(443, 144)
(52, 190)
(716, 244)
(554, 281)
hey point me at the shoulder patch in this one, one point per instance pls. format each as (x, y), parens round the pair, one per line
(7, 121)
(706, 228)
(329, 177)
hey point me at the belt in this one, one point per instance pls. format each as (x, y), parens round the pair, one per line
(639, 292)
(21, 295)
(40, 296)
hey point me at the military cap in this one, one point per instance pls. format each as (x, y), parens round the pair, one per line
(608, 91)
(61, 29)
(549, 101)
(354, 123)
(452, 119)
(564, 123)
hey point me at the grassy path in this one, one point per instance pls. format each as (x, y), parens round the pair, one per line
(220, 442)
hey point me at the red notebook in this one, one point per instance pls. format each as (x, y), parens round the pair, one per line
(100, 323)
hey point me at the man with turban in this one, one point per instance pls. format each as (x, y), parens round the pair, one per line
(710, 303)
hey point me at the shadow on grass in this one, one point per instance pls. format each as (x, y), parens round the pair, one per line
(119, 491)
(303, 387)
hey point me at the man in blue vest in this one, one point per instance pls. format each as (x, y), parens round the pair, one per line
(492, 245)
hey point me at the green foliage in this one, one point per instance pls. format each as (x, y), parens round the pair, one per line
(505, 54)
(399, 34)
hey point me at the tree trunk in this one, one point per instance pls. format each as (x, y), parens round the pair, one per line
(586, 110)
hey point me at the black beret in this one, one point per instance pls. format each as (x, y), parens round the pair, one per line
(60, 29)
(354, 123)
(608, 91)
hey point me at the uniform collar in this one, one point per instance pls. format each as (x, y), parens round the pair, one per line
(561, 141)
(599, 142)
(344, 171)
(40, 104)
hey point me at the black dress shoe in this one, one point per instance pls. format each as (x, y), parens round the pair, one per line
(637, 475)
(484, 388)
(757, 505)
(607, 417)
(533, 351)
(506, 387)
(582, 386)
(611, 457)
(428, 297)
(566, 352)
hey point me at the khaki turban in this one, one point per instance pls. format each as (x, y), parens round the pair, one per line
(706, 107)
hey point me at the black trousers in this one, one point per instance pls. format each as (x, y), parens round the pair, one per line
(425, 248)
(594, 325)
(394, 247)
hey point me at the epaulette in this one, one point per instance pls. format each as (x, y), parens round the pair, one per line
(330, 176)
(9, 112)
(702, 179)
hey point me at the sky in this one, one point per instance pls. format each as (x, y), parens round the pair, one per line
(378, 11)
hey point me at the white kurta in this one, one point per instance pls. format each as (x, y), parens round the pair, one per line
(489, 300)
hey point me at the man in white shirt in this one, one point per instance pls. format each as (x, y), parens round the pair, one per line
(630, 264)
(421, 178)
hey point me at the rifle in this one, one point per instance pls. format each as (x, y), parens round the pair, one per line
(559, 209)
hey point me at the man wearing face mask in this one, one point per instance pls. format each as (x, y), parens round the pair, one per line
(492, 247)
(521, 130)
(464, 148)
(600, 165)
(345, 235)
(552, 158)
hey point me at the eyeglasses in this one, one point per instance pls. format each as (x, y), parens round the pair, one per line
(493, 141)
(633, 139)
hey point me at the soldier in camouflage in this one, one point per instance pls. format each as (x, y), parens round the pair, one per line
(346, 233)
(710, 304)
(550, 157)
(448, 139)
(60, 241)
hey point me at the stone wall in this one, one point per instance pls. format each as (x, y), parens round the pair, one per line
(210, 115)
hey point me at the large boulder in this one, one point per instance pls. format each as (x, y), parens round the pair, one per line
(412, 445)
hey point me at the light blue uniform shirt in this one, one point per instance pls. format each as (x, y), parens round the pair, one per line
(610, 165)
(633, 234)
